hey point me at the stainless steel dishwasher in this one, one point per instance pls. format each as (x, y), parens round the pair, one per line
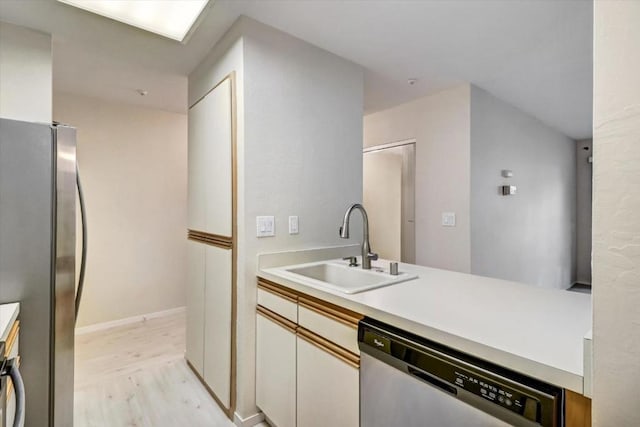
(408, 381)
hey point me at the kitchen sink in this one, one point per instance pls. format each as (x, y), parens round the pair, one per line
(349, 280)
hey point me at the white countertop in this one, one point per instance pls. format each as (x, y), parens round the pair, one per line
(532, 330)
(8, 315)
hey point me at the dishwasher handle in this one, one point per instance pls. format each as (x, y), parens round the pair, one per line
(424, 377)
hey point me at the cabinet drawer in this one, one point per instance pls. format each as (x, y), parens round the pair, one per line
(340, 331)
(282, 305)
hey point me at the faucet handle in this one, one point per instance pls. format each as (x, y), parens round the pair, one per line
(353, 261)
(372, 256)
(393, 268)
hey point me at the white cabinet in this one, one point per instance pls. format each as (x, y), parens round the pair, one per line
(276, 368)
(328, 388)
(217, 322)
(307, 362)
(212, 245)
(210, 162)
(195, 305)
(209, 303)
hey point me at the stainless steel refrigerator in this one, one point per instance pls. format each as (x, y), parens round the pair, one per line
(37, 260)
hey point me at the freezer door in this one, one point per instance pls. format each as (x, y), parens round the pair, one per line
(26, 259)
(37, 260)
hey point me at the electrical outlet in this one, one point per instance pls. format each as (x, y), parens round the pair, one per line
(293, 225)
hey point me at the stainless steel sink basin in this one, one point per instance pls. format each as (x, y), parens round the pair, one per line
(349, 280)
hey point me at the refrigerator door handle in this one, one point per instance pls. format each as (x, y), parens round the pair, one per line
(83, 259)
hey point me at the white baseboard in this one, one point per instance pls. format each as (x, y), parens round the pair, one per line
(127, 321)
(249, 421)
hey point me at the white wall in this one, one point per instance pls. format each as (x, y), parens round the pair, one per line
(616, 214)
(133, 164)
(529, 237)
(25, 74)
(584, 189)
(300, 153)
(440, 124)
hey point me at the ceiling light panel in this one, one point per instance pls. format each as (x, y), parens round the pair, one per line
(169, 18)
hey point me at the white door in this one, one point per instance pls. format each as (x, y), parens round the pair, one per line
(276, 371)
(217, 322)
(210, 162)
(382, 198)
(195, 305)
(328, 389)
(389, 197)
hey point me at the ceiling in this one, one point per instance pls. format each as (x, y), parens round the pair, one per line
(536, 55)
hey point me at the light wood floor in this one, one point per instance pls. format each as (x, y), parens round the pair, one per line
(136, 375)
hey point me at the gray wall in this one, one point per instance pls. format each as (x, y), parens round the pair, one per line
(584, 171)
(529, 237)
(25, 74)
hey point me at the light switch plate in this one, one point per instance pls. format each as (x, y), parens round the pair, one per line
(293, 225)
(265, 226)
(508, 190)
(448, 219)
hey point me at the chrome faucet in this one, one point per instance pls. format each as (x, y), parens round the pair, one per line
(367, 255)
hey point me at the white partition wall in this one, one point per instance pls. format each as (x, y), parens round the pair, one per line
(616, 219)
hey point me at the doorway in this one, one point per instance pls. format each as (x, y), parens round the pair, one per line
(389, 196)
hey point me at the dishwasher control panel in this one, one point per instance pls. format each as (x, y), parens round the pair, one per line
(508, 398)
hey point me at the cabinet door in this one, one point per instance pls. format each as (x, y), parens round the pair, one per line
(276, 371)
(328, 388)
(195, 305)
(210, 162)
(196, 169)
(217, 322)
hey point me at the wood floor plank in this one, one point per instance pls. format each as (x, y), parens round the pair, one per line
(136, 375)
